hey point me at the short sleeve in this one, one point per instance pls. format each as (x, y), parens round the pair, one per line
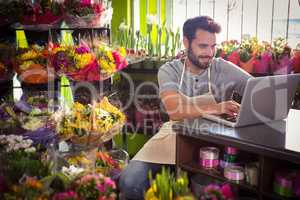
(168, 78)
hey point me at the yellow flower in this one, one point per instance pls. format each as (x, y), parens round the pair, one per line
(110, 56)
(26, 64)
(82, 60)
(61, 48)
(29, 55)
(122, 51)
(106, 66)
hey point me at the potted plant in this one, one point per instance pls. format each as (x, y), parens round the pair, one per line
(296, 59)
(166, 187)
(281, 57)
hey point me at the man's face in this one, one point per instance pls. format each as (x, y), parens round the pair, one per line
(201, 49)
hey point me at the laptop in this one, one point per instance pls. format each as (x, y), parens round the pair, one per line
(265, 99)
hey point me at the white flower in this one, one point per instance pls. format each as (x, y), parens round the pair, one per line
(123, 26)
(72, 170)
(30, 150)
(151, 19)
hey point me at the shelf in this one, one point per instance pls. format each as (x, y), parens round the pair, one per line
(194, 168)
(140, 70)
(277, 197)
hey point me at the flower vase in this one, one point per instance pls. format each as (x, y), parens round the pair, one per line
(248, 66)
(262, 65)
(282, 66)
(296, 61)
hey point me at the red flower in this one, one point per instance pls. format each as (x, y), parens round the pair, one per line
(234, 57)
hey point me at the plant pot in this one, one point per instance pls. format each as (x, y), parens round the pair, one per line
(282, 66)
(248, 66)
(262, 65)
(296, 61)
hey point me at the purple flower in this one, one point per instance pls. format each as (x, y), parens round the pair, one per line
(82, 50)
(60, 61)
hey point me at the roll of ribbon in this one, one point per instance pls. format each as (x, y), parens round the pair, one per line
(234, 173)
(251, 172)
(229, 157)
(282, 191)
(231, 150)
(284, 179)
(209, 153)
(206, 163)
(209, 157)
(225, 164)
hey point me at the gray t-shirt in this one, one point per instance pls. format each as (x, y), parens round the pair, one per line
(226, 78)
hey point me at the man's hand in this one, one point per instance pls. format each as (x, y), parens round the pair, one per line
(227, 107)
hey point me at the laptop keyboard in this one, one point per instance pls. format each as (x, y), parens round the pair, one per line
(229, 117)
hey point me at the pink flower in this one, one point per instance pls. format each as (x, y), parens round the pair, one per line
(82, 50)
(262, 65)
(109, 182)
(85, 2)
(101, 188)
(226, 191)
(120, 61)
(98, 8)
(70, 195)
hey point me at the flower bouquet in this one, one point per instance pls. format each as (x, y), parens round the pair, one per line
(166, 187)
(281, 57)
(247, 53)
(29, 188)
(111, 163)
(20, 157)
(87, 13)
(263, 59)
(77, 62)
(95, 187)
(90, 125)
(110, 61)
(228, 51)
(41, 14)
(31, 65)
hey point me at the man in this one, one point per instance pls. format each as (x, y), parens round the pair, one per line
(189, 88)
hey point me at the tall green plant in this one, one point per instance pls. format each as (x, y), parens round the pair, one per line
(167, 40)
(158, 44)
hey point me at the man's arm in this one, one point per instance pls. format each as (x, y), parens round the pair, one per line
(180, 107)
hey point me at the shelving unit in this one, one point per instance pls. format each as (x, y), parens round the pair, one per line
(268, 149)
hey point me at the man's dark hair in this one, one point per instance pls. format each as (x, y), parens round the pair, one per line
(206, 23)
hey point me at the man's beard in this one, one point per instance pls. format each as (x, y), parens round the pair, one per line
(195, 60)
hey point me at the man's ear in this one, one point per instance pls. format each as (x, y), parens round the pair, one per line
(186, 42)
